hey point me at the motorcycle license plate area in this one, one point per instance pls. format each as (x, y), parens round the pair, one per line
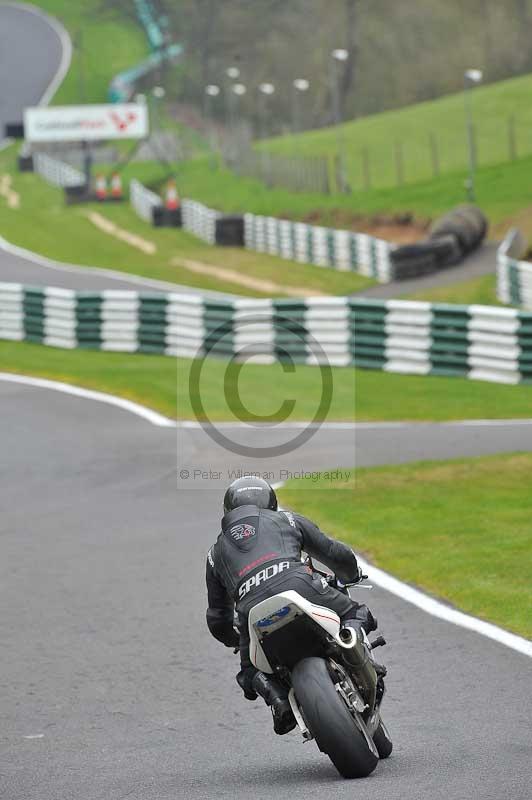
(277, 619)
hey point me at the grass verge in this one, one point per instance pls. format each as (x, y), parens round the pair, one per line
(163, 383)
(458, 529)
(502, 192)
(42, 219)
(427, 138)
(111, 42)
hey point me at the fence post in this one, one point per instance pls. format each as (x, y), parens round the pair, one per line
(342, 184)
(434, 154)
(399, 162)
(474, 144)
(326, 175)
(512, 146)
(367, 168)
(331, 170)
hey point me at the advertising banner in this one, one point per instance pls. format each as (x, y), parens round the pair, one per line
(86, 123)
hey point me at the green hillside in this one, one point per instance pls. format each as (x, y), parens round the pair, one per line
(111, 42)
(502, 115)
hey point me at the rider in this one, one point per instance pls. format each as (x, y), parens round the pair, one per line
(257, 555)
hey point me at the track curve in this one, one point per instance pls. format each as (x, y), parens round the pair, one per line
(34, 56)
(19, 265)
(109, 662)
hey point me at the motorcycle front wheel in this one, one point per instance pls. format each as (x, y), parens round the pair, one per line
(329, 720)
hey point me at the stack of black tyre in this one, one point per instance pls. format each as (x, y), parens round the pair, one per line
(451, 238)
(230, 230)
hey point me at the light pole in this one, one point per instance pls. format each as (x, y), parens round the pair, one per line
(238, 90)
(266, 90)
(158, 94)
(472, 77)
(339, 55)
(232, 73)
(300, 85)
(211, 91)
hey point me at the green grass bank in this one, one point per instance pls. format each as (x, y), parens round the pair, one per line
(163, 383)
(458, 529)
(426, 139)
(111, 41)
(40, 223)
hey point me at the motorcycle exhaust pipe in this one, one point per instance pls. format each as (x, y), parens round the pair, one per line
(356, 655)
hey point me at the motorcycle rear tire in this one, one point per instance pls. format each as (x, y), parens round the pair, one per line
(382, 740)
(352, 751)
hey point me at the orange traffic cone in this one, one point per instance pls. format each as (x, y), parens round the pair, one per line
(101, 187)
(116, 186)
(172, 198)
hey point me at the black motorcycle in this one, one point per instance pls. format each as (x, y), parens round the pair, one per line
(335, 685)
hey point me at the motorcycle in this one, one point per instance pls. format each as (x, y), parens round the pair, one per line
(334, 690)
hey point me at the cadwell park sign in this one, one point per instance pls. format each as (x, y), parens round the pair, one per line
(87, 122)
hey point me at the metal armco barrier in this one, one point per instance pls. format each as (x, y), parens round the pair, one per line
(514, 277)
(57, 172)
(480, 342)
(143, 200)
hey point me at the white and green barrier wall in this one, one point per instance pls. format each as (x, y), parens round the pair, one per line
(297, 241)
(452, 237)
(324, 247)
(514, 277)
(480, 342)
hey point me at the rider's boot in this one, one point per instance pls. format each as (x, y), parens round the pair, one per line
(276, 696)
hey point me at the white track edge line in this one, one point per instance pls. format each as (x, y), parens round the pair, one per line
(378, 576)
(437, 609)
(66, 48)
(162, 421)
(103, 272)
(381, 578)
(446, 613)
(88, 394)
(66, 57)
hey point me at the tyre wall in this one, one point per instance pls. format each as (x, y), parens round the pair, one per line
(479, 342)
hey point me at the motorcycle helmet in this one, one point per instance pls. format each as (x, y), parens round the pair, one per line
(250, 491)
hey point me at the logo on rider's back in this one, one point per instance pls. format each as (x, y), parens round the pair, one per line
(242, 532)
(261, 576)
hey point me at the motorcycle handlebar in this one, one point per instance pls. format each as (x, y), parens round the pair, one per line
(332, 580)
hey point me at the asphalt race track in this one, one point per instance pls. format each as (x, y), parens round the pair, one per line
(481, 262)
(30, 57)
(34, 270)
(111, 686)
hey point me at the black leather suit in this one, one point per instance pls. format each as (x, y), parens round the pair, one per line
(257, 555)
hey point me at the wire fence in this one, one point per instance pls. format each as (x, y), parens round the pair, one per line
(426, 155)
(405, 158)
(310, 174)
